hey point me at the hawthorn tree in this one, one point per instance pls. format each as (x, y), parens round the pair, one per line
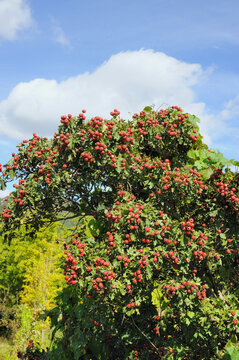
(157, 276)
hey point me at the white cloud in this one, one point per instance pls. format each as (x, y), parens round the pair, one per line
(231, 108)
(4, 193)
(59, 34)
(15, 15)
(128, 81)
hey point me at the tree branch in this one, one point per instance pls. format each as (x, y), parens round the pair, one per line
(145, 336)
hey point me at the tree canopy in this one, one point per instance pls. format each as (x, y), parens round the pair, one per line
(156, 274)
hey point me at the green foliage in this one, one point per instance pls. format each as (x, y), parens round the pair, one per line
(152, 264)
(232, 353)
(42, 278)
(22, 260)
(24, 332)
(30, 277)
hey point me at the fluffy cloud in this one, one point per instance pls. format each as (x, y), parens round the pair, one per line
(128, 81)
(15, 15)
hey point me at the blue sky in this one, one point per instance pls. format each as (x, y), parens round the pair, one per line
(57, 57)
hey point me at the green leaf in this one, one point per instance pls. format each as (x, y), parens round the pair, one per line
(2, 184)
(104, 127)
(206, 173)
(187, 301)
(118, 164)
(115, 133)
(191, 314)
(71, 143)
(193, 154)
(147, 109)
(214, 213)
(193, 119)
(156, 298)
(100, 207)
(149, 272)
(232, 353)
(121, 288)
(199, 165)
(12, 174)
(93, 226)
